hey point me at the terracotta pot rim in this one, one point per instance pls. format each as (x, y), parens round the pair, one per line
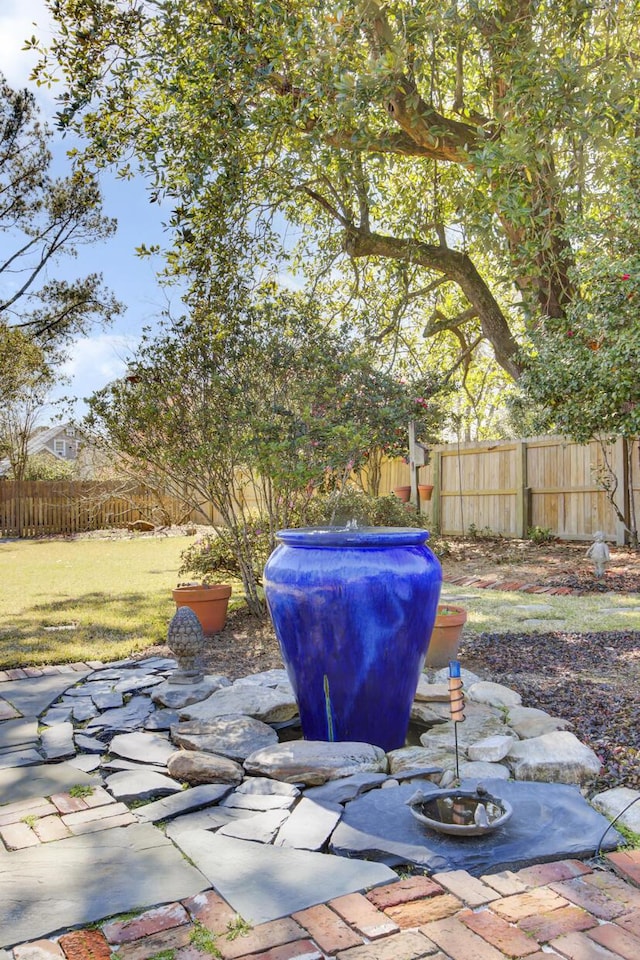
(456, 616)
(203, 592)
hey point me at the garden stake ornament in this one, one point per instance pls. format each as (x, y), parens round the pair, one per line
(456, 704)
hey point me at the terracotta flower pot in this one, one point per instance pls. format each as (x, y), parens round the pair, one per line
(403, 493)
(425, 490)
(446, 634)
(209, 603)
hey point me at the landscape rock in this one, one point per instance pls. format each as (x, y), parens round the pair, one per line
(233, 736)
(429, 714)
(128, 718)
(493, 694)
(184, 802)
(612, 802)
(314, 762)
(57, 742)
(258, 802)
(310, 825)
(263, 786)
(530, 722)
(259, 828)
(175, 696)
(479, 770)
(431, 692)
(263, 703)
(267, 678)
(554, 757)
(480, 722)
(411, 758)
(142, 747)
(491, 749)
(130, 786)
(195, 767)
(346, 788)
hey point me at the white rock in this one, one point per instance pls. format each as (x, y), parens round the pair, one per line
(478, 770)
(612, 802)
(530, 722)
(491, 749)
(315, 761)
(557, 757)
(493, 694)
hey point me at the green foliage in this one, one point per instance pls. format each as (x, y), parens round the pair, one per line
(259, 400)
(212, 557)
(81, 790)
(44, 467)
(238, 928)
(540, 535)
(481, 533)
(203, 939)
(30, 819)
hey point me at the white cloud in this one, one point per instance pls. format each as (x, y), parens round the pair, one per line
(19, 20)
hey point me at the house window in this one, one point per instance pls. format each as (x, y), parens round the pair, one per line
(58, 447)
(70, 432)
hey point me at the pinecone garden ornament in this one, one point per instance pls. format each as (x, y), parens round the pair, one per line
(185, 639)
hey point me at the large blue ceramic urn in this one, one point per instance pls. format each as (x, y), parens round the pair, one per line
(353, 611)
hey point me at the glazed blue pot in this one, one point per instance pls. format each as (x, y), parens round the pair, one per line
(353, 611)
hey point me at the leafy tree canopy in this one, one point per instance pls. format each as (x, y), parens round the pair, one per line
(41, 218)
(452, 155)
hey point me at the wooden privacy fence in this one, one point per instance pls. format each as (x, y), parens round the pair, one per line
(509, 486)
(37, 508)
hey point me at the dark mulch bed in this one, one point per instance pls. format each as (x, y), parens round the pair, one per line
(591, 679)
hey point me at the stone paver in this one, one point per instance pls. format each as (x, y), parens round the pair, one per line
(132, 867)
(290, 880)
(563, 906)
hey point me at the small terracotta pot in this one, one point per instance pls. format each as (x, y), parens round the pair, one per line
(425, 490)
(446, 635)
(403, 493)
(208, 602)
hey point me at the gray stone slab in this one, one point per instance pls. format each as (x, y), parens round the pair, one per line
(309, 826)
(267, 678)
(266, 787)
(61, 713)
(57, 742)
(314, 762)
(259, 828)
(345, 789)
(162, 719)
(31, 697)
(211, 818)
(127, 718)
(132, 785)
(177, 695)
(41, 781)
(142, 747)
(82, 879)
(235, 736)
(268, 704)
(86, 762)
(85, 710)
(257, 801)
(184, 802)
(7, 710)
(21, 731)
(115, 765)
(138, 682)
(89, 744)
(108, 700)
(19, 757)
(264, 883)
(550, 821)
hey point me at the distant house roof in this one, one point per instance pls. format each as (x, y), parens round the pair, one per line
(43, 442)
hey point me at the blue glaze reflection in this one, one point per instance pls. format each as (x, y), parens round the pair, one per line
(353, 615)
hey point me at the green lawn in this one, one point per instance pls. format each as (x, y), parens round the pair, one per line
(115, 594)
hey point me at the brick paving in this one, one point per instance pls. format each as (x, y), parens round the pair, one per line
(566, 909)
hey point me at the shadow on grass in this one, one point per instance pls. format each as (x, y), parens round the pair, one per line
(96, 626)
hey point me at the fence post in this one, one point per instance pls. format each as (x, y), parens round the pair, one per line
(436, 517)
(522, 499)
(622, 493)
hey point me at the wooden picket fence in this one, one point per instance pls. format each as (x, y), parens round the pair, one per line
(37, 508)
(506, 487)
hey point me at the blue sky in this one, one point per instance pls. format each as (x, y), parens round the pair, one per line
(97, 359)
